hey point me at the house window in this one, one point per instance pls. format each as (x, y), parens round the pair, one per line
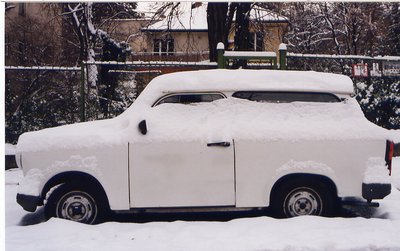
(164, 46)
(256, 41)
(21, 9)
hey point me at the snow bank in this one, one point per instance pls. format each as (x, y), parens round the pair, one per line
(261, 233)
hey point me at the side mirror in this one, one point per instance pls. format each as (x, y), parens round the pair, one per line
(143, 127)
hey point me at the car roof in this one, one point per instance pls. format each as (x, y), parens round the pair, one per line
(224, 80)
(267, 80)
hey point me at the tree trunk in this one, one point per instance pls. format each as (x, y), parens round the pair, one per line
(242, 27)
(217, 29)
(242, 31)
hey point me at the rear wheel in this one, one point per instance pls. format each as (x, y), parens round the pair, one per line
(76, 203)
(304, 197)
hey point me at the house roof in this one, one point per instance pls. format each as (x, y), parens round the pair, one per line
(195, 19)
(147, 10)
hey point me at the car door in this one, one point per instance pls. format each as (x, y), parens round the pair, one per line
(182, 161)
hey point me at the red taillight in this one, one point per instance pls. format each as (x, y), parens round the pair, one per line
(389, 155)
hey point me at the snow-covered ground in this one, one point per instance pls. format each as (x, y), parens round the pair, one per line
(28, 231)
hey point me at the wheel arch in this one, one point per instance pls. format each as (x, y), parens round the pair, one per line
(73, 177)
(326, 181)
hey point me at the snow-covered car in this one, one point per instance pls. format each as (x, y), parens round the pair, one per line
(213, 140)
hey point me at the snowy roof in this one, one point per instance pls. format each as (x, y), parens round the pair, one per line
(234, 80)
(146, 9)
(188, 18)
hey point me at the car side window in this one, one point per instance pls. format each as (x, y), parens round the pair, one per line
(286, 97)
(188, 98)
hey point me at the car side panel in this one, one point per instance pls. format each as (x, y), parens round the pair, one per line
(109, 165)
(260, 164)
(181, 174)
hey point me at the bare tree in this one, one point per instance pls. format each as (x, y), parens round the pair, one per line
(220, 20)
(339, 28)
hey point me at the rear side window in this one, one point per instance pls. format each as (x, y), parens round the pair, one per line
(286, 97)
(188, 98)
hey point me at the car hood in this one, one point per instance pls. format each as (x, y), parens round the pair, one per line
(100, 133)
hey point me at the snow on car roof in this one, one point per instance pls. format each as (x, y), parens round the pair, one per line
(235, 80)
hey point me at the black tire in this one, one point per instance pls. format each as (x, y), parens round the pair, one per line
(77, 203)
(304, 197)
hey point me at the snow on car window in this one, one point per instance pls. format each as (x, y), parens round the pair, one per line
(189, 98)
(242, 119)
(286, 97)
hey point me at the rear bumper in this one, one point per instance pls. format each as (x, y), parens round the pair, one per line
(375, 191)
(28, 202)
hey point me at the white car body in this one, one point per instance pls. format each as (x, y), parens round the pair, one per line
(171, 166)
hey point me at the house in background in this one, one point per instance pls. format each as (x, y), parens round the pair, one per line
(183, 35)
(33, 36)
(152, 35)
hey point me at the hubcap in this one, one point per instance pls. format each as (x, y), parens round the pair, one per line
(302, 201)
(77, 206)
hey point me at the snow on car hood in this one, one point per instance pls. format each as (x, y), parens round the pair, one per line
(81, 135)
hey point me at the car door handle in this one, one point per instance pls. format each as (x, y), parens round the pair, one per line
(223, 144)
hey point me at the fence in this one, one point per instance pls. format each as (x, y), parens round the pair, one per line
(39, 97)
(179, 56)
(251, 59)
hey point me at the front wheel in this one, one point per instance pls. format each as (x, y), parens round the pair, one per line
(76, 203)
(297, 198)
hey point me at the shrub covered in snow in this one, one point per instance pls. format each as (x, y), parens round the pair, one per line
(379, 98)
